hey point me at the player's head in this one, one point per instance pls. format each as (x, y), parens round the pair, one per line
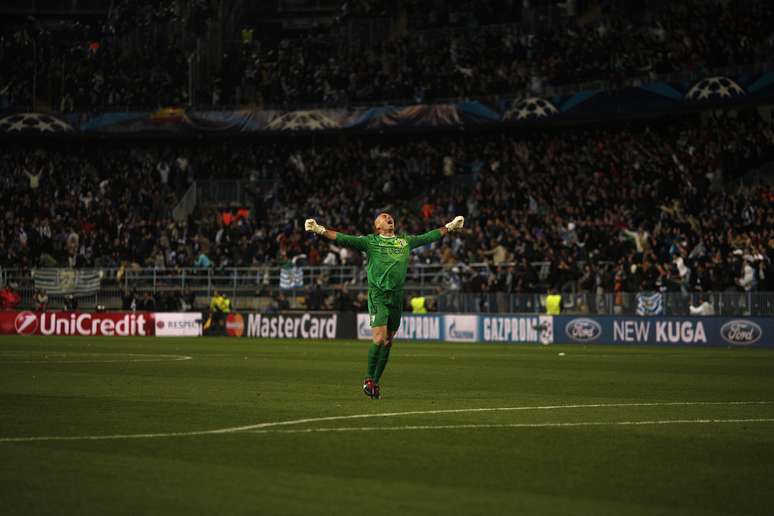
(384, 224)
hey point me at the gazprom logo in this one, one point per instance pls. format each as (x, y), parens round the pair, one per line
(460, 334)
(741, 332)
(364, 330)
(583, 330)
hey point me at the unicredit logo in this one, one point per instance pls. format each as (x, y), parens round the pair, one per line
(26, 323)
(86, 324)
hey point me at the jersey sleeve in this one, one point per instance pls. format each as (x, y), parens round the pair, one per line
(424, 239)
(353, 242)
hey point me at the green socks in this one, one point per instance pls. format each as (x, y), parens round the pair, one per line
(377, 361)
(373, 358)
(384, 356)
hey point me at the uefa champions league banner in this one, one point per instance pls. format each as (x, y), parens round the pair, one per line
(599, 105)
(670, 331)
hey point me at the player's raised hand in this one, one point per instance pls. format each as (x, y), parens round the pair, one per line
(456, 224)
(313, 226)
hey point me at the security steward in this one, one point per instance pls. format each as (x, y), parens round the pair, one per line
(220, 306)
(418, 305)
(553, 302)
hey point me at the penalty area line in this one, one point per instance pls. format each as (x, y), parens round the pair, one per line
(274, 424)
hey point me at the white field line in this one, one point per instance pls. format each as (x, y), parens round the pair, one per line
(513, 425)
(147, 358)
(272, 424)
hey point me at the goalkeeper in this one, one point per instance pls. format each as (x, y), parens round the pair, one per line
(388, 259)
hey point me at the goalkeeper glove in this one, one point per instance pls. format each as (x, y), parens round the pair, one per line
(456, 224)
(314, 227)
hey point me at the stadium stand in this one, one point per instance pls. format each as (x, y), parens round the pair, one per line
(653, 205)
(141, 55)
(646, 201)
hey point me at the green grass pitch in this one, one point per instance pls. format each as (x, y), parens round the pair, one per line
(134, 426)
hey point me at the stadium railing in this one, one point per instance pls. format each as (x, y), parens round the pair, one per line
(730, 303)
(447, 289)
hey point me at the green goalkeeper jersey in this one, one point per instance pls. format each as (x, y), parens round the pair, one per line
(388, 257)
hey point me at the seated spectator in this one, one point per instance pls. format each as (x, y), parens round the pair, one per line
(148, 302)
(703, 308)
(41, 300)
(9, 298)
(130, 300)
(203, 261)
(185, 300)
(70, 303)
(282, 303)
(344, 300)
(315, 297)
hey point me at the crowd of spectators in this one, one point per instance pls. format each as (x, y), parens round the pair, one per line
(424, 65)
(620, 208)
(138, 56)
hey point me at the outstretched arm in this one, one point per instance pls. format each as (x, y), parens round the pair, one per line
(350, 241)
(314, 227)
(437, 234)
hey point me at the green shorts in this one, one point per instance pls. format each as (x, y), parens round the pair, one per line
(385, 308)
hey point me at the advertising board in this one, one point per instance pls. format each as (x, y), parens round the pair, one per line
(682, 331)
(83, 324)
(412, 327)
(182, 324)
(517, 328)
(302, 325)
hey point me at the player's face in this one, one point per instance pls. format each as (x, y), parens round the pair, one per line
(384, 224)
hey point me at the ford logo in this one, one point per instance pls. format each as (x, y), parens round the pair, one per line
(583, 330)
(741, 332)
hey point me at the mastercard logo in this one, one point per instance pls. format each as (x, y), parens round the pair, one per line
(235, 325)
